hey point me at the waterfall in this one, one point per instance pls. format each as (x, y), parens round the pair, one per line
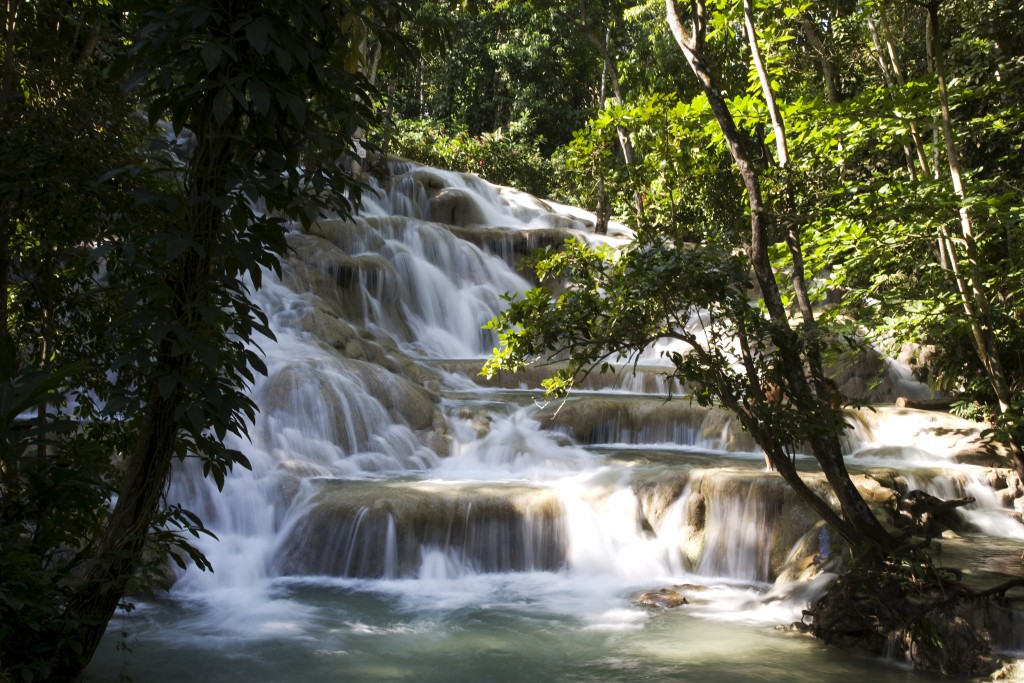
(357, 417)
(384, 467)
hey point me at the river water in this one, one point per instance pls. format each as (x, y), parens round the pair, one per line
(402, 522)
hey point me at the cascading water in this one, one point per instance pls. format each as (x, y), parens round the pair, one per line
(403, 522)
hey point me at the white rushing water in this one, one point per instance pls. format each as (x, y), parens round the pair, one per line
(401, 522)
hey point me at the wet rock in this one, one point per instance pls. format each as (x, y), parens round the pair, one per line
(666, 598)
(1010, 671)
(345, 269)
(554, 220)
(873, 490)
(656, 495)
(996, 478)
(1013, 483)
(632, 420)
(453, 206)
(479, 421)
(1018, 504)
(354, 236)
(917, 357)
(426, 177)
(856, 374)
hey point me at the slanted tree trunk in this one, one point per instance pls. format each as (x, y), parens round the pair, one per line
(901, 80)
(148, 466)
(859, 526)
(793, 241)
(884, 67)
(778, 127)
(827, 71)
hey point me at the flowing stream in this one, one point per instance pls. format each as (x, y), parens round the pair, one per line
(403, 521)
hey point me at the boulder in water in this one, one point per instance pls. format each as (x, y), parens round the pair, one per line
(453, 206)
(666, 598)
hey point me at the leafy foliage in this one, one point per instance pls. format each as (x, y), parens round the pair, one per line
(127, 254)
(501, 157)
(616, 303)
(688, 188)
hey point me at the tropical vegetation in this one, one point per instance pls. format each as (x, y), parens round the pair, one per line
(803, 179)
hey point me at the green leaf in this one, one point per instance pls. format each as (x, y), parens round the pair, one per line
(211, 55)
(260, 93)
(166, 386)
(258, 34)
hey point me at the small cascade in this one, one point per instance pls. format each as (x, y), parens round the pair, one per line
(412, 281)
(396, 530)
(728, 522)
(740, 532)
(911, 435)
(994, 511)
(647, 421)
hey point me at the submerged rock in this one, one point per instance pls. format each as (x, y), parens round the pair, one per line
(666, 598)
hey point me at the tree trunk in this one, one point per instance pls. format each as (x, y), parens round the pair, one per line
(101, 589)
(901, 79)
(7, 66)
(971, 284)
(861, 527)
(981, 321)
(793, 241)
(887, 78)
(766, 87)
(826, 64)
(611, 71)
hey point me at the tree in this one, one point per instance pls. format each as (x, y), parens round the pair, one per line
(612, 304)
(804, 379)
(263, 100)
(975, 296)
(949, 282)
(61, 324)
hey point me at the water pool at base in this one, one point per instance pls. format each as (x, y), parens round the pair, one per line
(512, 628)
